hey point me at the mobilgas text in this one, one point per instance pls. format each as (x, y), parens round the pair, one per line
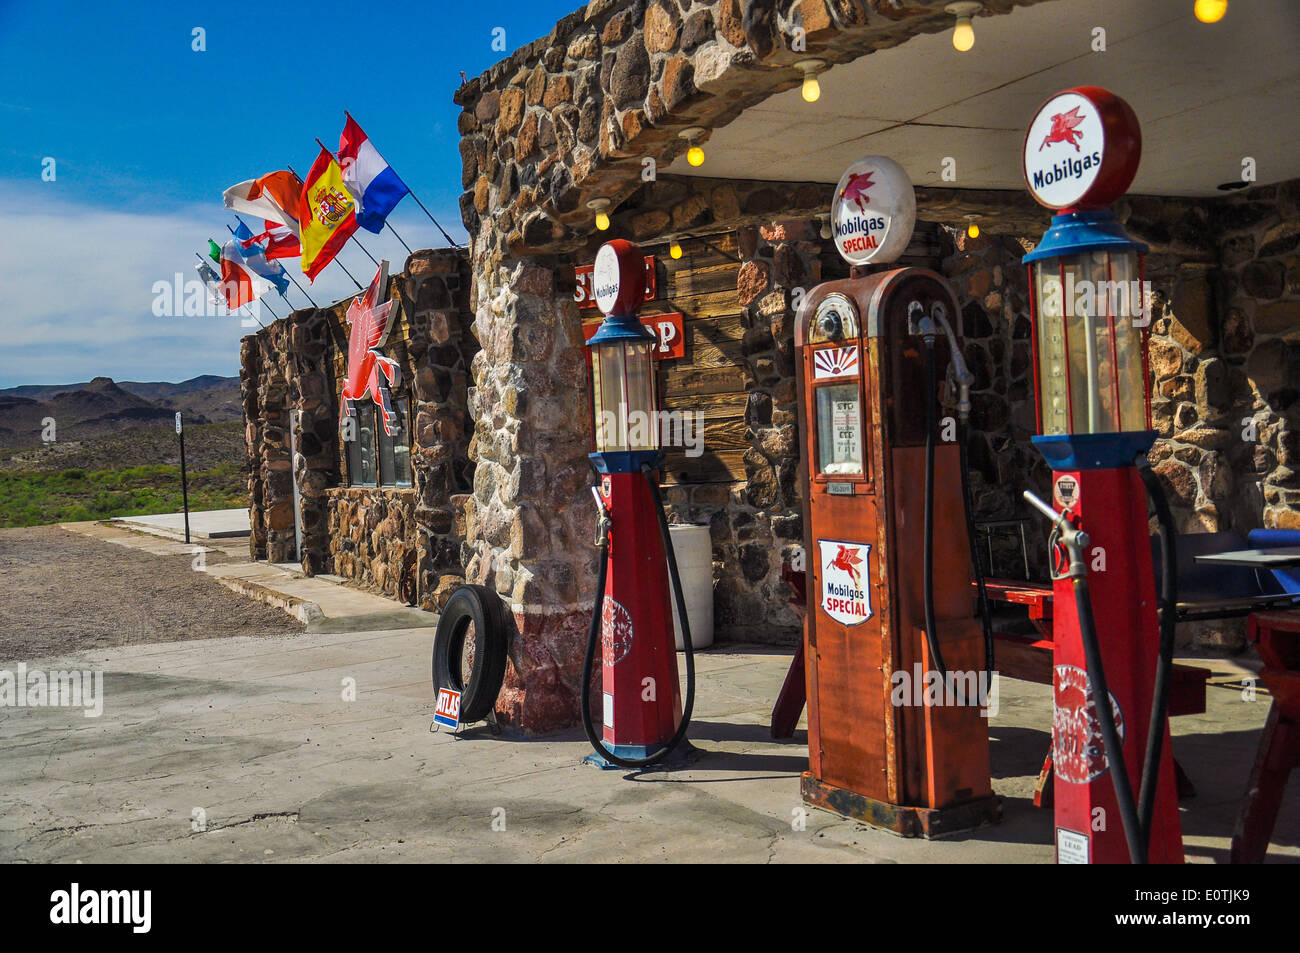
(1070, 168)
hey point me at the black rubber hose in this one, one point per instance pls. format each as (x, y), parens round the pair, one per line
(1165, 662)
(1133, 834)
(986, 615)
(931, 423)
(593, 635)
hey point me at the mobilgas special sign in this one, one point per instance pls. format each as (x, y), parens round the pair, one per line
(873, 211)
(846, 584)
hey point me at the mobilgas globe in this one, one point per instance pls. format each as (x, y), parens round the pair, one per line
(1065, 169)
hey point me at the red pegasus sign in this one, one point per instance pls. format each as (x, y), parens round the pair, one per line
(371, 323)
(1065, 128)
(856, 191)
(848, 560)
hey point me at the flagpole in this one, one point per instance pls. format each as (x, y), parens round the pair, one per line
(411, 193)
(335, 259)
(287, 272)
(399, 237)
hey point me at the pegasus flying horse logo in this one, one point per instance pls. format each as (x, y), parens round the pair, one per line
(849, 560)
(855, 190)
(371, 323)
(1065, 128)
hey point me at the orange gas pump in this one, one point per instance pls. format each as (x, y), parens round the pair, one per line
(895, 661)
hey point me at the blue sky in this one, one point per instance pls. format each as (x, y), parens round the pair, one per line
(146, 133)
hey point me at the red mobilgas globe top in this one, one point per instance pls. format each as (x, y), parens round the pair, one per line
(618, 277)
(1082, 149)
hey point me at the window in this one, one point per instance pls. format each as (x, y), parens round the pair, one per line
(395, 451)
(839, 430)
(375, 458)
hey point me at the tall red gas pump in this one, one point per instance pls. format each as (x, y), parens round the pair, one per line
(1112, 655)
(643, 719)
(896, 666)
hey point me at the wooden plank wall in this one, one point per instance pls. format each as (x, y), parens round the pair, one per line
(711, 377)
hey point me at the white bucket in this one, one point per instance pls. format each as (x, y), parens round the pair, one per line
(694, 551)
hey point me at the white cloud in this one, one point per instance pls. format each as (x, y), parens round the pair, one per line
(77, 288)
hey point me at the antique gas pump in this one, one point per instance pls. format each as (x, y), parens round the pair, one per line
(643, 718)
(1090, 317)
(895, 663)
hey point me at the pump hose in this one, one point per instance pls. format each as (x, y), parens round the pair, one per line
(986, 615)
(931, 422)
(1133, 833)
(1165, 662)
(593, 635)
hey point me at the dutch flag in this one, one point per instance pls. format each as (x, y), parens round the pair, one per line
(370, 179)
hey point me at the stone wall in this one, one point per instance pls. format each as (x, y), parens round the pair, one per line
(1227, 371)
(529, 523)
(405, 543)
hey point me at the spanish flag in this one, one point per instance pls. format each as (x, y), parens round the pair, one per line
(326, 214)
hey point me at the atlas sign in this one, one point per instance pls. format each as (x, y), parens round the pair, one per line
(873, 211)
(1082, 149)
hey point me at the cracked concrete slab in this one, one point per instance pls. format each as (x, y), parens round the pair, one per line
(245, 749)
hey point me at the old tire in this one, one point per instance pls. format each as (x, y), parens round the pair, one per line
(480, 608)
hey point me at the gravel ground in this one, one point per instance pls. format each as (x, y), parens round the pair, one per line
(60, 592)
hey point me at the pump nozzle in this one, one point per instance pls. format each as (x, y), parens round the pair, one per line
(964, 377)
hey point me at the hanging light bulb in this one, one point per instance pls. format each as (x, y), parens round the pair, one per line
(601, 208)
(812, 90)
(826, 226)
(1210, 11)
(963, 34)
(694, 155)
(675, 251)
(972, 230)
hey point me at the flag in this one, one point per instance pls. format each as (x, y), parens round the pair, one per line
(255, 259)
(212, 281)
(370, 179)
(327, 214)
(239, 284)
(278, 241)
(274, 196)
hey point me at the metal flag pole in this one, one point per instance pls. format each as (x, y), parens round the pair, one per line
(411, 193)
(399, 237)
(185, 488)
(454, 243)
(287, 272)
(335, 259)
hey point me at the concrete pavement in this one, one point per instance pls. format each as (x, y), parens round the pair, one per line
(257, 749)
(317, 747)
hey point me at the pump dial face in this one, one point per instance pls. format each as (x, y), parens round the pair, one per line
(836, 319)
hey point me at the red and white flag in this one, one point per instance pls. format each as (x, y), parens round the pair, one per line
(278, 241)
(275, 197)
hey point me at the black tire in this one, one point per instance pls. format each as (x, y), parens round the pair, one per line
(482, 608)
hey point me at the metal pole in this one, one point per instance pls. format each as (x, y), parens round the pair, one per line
(185, 491)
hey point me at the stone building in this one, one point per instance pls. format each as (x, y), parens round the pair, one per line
(595, 112)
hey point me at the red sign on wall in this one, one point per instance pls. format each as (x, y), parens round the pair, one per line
(667, 328)
(585, 295)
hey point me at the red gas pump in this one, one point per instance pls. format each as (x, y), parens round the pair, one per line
(643, 718)
(1112, 661)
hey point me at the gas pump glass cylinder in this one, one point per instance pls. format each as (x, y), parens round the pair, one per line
(624, 396)
(1090, 336)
